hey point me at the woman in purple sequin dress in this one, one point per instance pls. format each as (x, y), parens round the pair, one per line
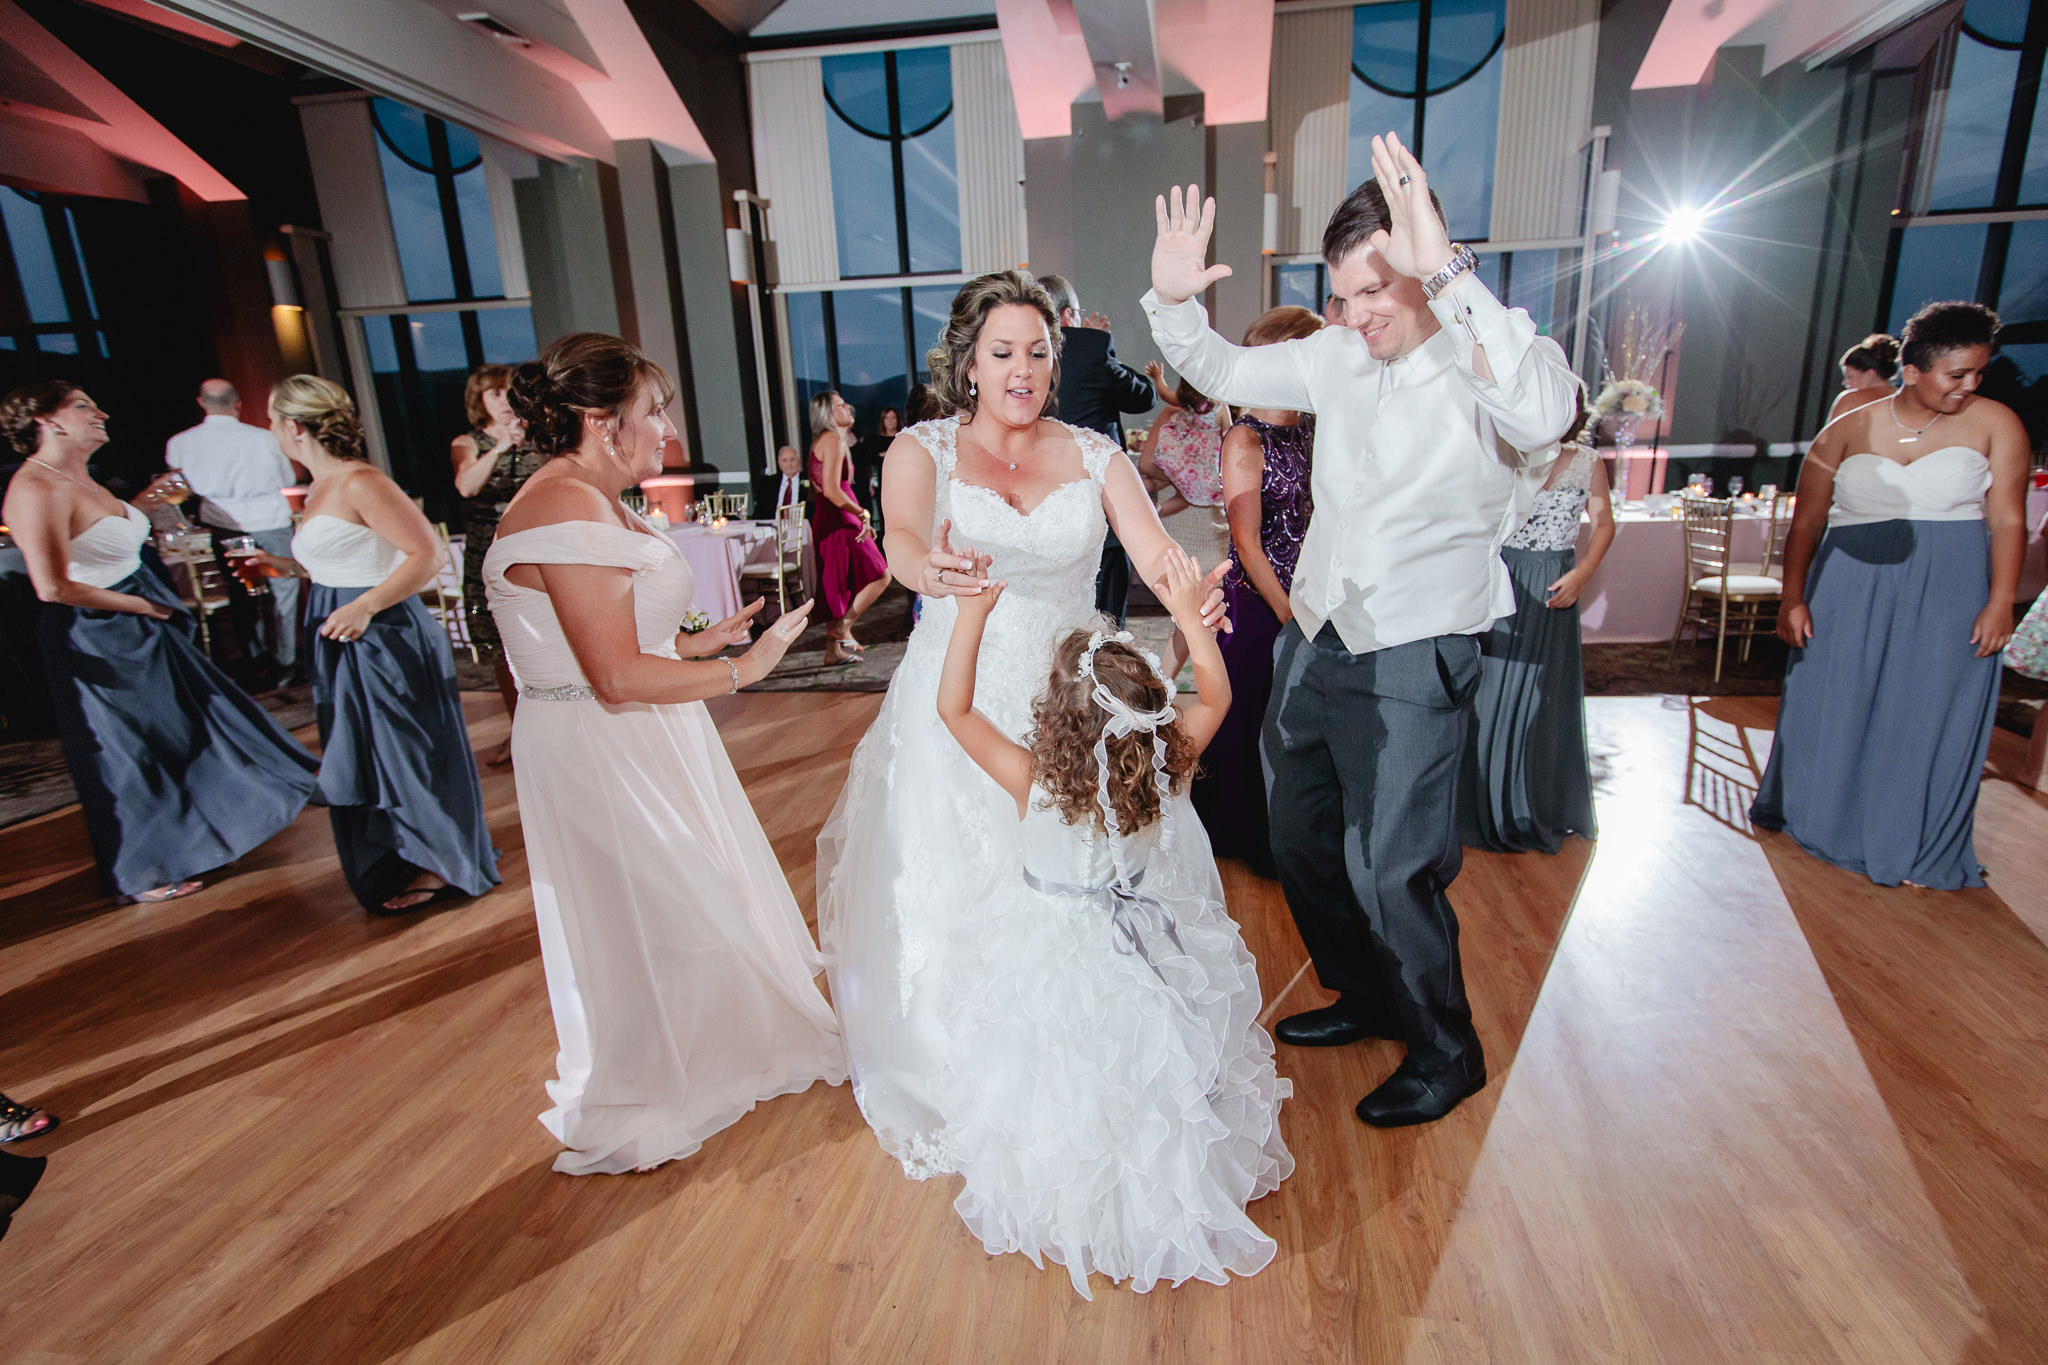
(1266, 494)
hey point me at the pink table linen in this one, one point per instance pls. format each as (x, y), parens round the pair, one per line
(714, 558)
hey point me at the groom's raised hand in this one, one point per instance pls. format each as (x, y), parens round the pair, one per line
(1182, 245)
(1417, 245)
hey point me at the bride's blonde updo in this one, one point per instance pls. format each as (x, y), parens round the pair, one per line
(949, 360)
(325, 410)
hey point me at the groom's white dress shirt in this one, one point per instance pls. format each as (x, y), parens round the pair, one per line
(1420, 468)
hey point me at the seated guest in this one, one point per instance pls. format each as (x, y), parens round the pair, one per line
(177, 770)
(789, 487)
(1867, 370)
(239, 473)
(1528, 779)
(396, 770)
(1897, 613)
(1265, 479)
(1184, 452)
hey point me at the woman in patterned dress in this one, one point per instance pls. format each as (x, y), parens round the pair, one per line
(2027, 655)
(1528, 778)
(492, 462)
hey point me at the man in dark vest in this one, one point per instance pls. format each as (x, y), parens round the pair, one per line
(1095, 390)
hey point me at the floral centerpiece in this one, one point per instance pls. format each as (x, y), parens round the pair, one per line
(1628, 400)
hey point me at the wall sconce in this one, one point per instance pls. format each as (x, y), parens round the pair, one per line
(284, 286)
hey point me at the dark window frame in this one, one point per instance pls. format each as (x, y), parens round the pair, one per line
(896, 137)
(82, 323)
(1423, 92)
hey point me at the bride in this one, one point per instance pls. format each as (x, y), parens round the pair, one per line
(920, 836)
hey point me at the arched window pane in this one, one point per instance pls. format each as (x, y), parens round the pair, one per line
(1373, 115)
(1935, 263)
(416, 223)
(1462, 34)
(2034, 179)
(479, 240)
(2002, 21)
(858, 85)
(1383, 39)
(34, 260)
(863, 202)
(1458, 129)
(405, 126)
(931, 200)
(924, 86)
(1971, 139)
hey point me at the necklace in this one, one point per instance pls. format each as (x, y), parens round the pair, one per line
(54, 469)
(990, 452)
(1893, 408)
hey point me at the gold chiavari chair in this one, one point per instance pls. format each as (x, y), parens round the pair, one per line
(1718, 596)
(197, 575)
(443, 597)
(785, 562)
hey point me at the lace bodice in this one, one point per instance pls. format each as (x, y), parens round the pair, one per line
(1943, 485)
(1048, 556)
(533, 640)
(1554, 524)
(110, 549)
(343, 554)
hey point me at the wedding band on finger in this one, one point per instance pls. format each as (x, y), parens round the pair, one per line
(1403, 180)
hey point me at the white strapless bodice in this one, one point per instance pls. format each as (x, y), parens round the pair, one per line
(535, 647)
(1943, 485)
(109, 550)
(343, 554)
(1067, 855)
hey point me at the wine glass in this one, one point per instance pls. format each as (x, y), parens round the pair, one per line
(1735, 485)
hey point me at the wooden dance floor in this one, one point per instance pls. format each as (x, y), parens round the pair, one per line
(1744, 1107)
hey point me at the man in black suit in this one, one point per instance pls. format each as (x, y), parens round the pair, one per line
(1095, 390)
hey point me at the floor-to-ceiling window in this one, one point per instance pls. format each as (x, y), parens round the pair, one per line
(1979, 225)
(49, 317)
(421, 357)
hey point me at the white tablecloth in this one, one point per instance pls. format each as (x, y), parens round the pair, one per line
(1636, 593)
(714, 558)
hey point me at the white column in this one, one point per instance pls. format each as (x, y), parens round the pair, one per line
(988, 150)
(1546, 110)
(792, 164)
(348, 179)
(1311, 121)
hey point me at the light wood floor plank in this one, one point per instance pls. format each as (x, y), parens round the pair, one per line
(1743, 1107)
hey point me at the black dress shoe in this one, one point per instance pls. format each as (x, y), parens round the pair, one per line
(1331, 1026)
(1409, 1096)
(18, 1177)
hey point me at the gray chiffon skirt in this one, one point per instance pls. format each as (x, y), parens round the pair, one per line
(177, 770)
(1527, 780)
(396, 770)
(1887, 713)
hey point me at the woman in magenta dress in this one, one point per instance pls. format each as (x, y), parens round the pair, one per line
(851, 570)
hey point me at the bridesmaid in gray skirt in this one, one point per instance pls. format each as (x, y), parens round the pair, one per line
(1528, 781)
(1896, 629)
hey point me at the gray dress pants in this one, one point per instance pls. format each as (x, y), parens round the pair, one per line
(1361, 755)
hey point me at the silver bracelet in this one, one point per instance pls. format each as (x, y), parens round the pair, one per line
(1463, 258)
(727, 661)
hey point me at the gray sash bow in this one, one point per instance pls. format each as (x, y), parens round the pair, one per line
(1129, 913)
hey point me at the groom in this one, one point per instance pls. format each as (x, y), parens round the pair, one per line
(1426, 399)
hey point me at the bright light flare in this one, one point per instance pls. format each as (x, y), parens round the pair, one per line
(1683, 225)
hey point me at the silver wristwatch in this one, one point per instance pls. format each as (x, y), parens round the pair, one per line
(1462, 260)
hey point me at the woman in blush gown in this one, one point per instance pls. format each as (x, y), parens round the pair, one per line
(396, 770)
(921, 838)
(1900, 571)
(177, 770)
(679, 969)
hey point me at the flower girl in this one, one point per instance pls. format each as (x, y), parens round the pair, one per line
(1110, 1099)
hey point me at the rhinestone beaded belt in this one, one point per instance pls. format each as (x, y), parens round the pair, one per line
(566, 692)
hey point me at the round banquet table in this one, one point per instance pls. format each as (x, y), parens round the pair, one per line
(714, 558)
(1636, 593)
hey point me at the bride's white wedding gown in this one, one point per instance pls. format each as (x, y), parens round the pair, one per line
(679, 969)
(1095, 1122)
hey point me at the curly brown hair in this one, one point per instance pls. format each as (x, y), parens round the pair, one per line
(325, 410)
(1066, 721)
(949, 360)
